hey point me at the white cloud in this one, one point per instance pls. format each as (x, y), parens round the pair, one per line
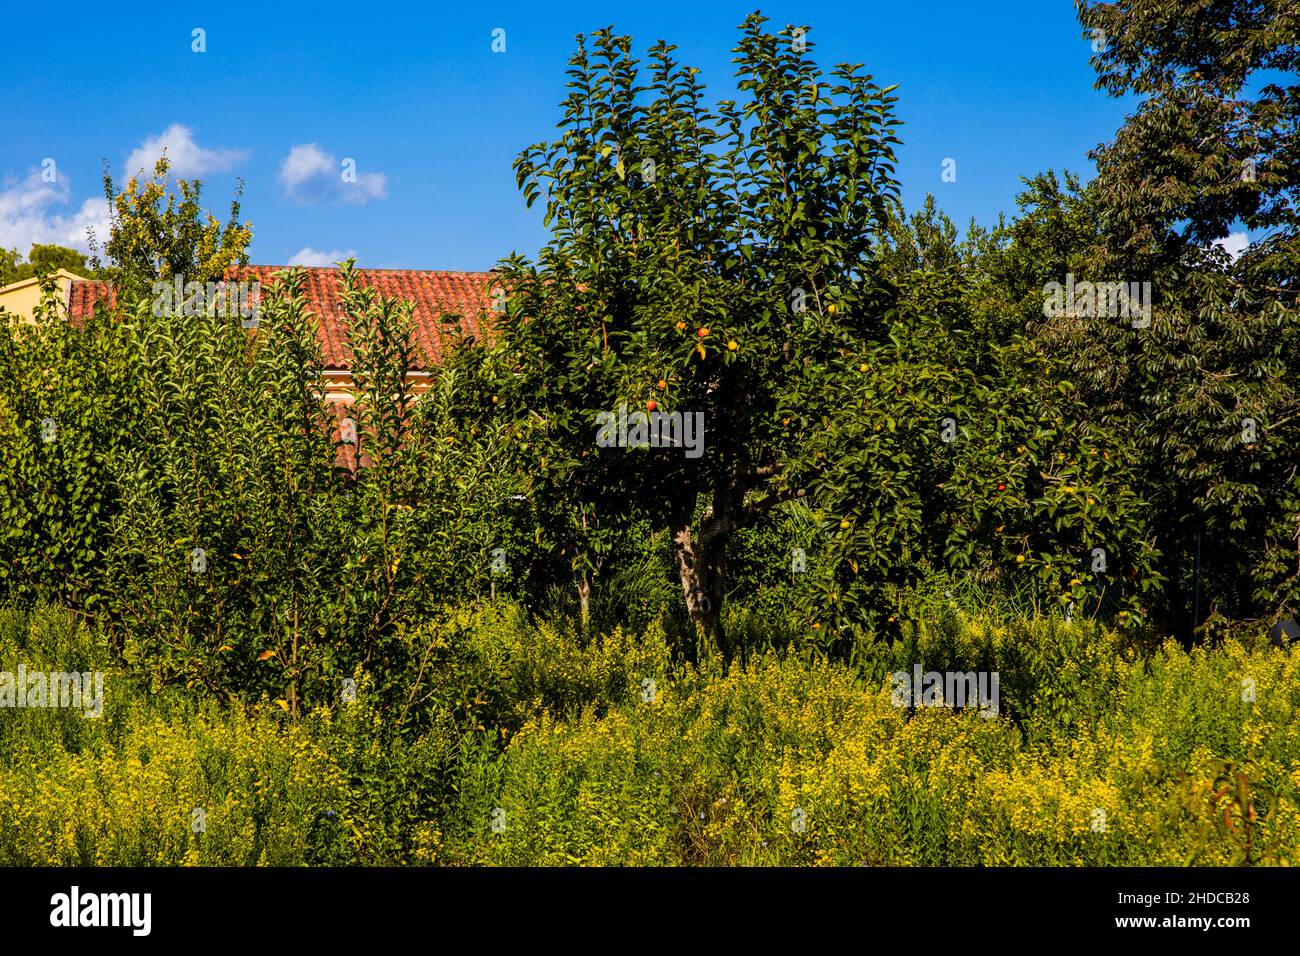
(317, 257)
(311, 175)
(305, 163)
(186, 157)
(1234, 245)
(29, 214)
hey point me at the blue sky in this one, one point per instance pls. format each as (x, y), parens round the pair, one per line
(433, 118)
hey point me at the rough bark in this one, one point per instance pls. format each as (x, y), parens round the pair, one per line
(700, 551)
(584, 599)
(701, 565)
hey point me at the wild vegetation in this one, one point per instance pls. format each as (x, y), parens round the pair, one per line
(537, 744)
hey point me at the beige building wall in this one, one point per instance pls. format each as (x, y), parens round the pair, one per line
(22, 297)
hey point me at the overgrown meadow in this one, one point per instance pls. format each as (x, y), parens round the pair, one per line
(449, 626)
(538, 745)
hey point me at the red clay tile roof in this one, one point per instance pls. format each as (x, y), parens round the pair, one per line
(435, 294)
(345, 453)
(85, 294)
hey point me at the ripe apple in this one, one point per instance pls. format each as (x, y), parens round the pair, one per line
(651, 405)
(702, 332)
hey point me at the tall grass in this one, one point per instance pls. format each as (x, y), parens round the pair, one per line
(529, 742)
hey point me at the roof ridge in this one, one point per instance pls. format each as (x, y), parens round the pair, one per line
(462, 272)
(435, 293)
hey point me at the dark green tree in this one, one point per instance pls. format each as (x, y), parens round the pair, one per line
(1209, 388)
(703, 262)
(41, 259)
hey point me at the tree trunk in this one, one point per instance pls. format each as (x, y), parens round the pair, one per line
(584, 599)
(701, 565)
